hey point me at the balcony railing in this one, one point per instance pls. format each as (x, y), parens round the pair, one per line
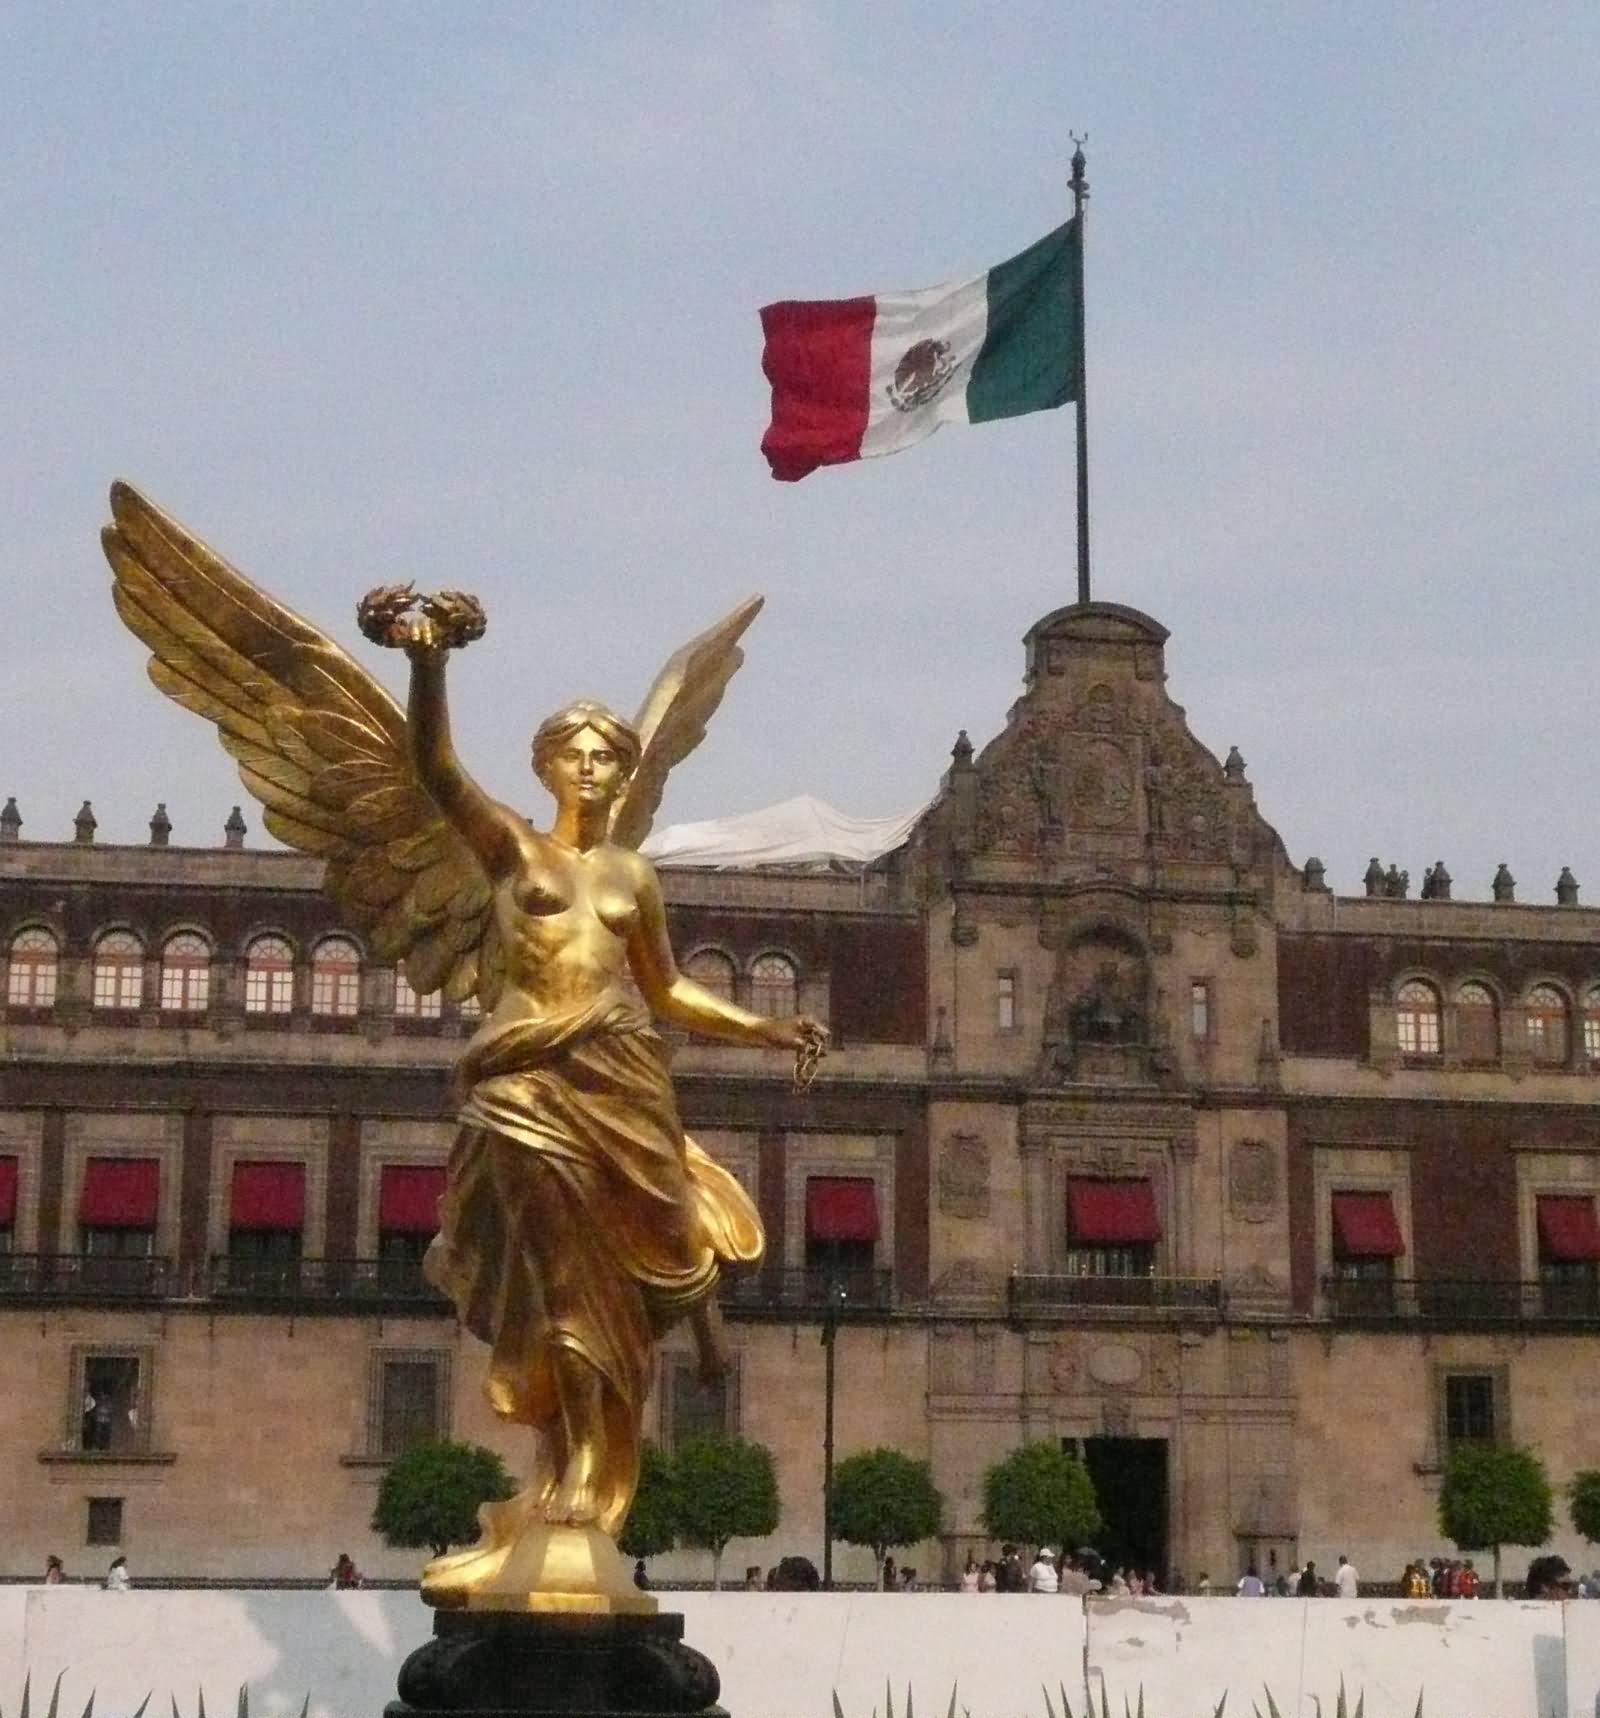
(1458, 1301)
(810, 1291)
(322, 1282)
(1063, 1296)
(83, 1277)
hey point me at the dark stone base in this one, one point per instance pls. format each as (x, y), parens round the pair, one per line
(513, 1664)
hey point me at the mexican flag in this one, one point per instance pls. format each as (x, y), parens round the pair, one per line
(856, 377)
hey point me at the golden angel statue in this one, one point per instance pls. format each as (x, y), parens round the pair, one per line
(579, 1222)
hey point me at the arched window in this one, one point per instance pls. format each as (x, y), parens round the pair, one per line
(774, 984)
(31, 969)
(1549, 1040)
(185, 974)
(118, 970)
(1477, 1023)
(409, 1006)
(1591, 1024)
(336, 978)
(712, 970)
(1417, 1019)
(268, 976)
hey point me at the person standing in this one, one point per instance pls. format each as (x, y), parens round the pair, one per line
(1251, 1586)
(1042, 1576)
(969, 1576)
(117, 1579)
(54, 1573)
(1346, 1579)
(345, 1574)
(1308, 1587)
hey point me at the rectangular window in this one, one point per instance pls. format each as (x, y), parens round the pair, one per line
(411, 1398)
(1200, 1010)
(1569, 1252)
(408, 1005)
(104, 1525)
(111, 1413)
(8, 1201)
(1469, 1408)
(1005, 1001)
(692, 1409)
(842, 1228)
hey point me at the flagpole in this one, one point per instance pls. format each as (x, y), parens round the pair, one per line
(1080, 196)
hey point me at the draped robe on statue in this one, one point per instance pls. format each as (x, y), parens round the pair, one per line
(574, 1113)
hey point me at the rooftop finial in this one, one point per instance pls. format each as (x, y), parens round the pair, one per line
(10, 821)
(1504, 886)
(84, 824)
(160, 826)
(233, 831)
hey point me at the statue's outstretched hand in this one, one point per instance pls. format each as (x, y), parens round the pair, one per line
(808, 1039)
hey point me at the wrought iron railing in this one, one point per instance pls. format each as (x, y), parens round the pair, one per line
(84, 1276)
(811, 1291)
(1066, 1296)
(324, 1282)
(1460, 1301)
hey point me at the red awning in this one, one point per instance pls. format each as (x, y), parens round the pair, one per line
(8, 1191)
(408, 1198)
(1364, 1227)
(120, 1193)
(841, 1208)
(1111, 1213)
(1568, 1232)
(268, 1196)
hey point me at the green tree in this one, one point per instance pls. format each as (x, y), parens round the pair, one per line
(1039, 1495)
(1585, 1505)
(431, 1494)
(652, 1524)
(1494, 1495)
(723, 1488)
(882, 1498)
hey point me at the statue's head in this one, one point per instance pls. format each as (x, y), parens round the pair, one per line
(585, 753)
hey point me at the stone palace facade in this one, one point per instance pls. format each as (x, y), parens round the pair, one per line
(1133, 1135)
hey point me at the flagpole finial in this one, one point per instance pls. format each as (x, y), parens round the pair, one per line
(1080, 185)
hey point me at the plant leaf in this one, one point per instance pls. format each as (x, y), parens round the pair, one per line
(952, 1712)
(142, 1704)
(55, 1695)
(838, 1710)
(1049, 1710)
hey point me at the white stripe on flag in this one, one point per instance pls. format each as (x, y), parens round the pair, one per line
(957, 316)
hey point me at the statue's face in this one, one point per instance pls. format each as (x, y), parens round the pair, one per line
(584, 770)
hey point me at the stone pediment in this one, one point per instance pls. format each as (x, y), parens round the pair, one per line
(1096, 766)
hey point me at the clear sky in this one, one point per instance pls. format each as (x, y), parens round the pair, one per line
(370, 290)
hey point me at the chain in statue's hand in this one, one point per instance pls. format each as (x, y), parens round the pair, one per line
(808, 1053)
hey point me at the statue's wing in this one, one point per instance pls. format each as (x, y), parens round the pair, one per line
(672, 720)
(318, 742)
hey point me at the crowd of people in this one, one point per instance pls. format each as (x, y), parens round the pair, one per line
(1084, 1572)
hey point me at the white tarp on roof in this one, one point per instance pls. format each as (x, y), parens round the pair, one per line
(800, 831)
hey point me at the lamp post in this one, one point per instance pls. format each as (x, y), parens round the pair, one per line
(832, 1300)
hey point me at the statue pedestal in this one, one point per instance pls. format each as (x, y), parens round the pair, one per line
(509, 1664)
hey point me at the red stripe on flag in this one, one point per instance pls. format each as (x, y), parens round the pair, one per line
(818, 358)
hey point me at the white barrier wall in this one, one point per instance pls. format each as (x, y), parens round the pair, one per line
(785, 1655)
(1486, 1659)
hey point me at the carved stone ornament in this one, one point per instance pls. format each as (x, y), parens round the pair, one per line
(1116, 1364)
(1252, 1181)
(1116, 1417)
(1063, 1366)
(964, 1176)
(1101, 785)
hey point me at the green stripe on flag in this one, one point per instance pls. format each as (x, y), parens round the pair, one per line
(1029, 358)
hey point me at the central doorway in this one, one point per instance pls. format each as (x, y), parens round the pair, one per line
(1130, 1482)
